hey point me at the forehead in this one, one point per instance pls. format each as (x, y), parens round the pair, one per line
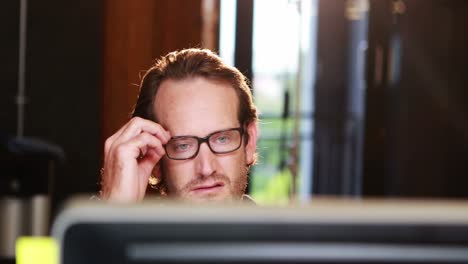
(196, 106)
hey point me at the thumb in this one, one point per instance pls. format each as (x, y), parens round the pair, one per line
(149, 165)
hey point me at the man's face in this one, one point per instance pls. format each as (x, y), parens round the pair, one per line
(198, 107)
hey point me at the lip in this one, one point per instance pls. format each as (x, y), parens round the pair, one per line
(208, 187)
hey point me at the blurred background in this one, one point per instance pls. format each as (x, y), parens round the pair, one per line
(358, 98)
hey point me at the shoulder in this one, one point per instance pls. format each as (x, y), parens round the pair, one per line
(248, 200)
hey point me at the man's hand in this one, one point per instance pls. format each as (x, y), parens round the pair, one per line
(129, 158)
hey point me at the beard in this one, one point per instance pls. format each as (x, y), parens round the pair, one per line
(233, 189)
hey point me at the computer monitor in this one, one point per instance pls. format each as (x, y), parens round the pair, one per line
(323, 232)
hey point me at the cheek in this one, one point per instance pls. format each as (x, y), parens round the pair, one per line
(177, 174)
(231, 165)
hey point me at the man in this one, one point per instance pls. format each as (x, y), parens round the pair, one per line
(192, 136)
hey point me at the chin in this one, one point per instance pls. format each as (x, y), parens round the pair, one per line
(209, 197)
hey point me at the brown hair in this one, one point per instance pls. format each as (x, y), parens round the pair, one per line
(188, 63)
(195, 62)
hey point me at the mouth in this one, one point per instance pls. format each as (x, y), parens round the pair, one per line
(208, 187)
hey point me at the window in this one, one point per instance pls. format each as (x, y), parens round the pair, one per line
(282, 48)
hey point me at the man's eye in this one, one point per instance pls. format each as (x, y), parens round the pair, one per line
(222, 139)
(181, 147)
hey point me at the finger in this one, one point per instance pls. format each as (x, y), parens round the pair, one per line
(110, 141)
(151, 157)
(134, 127)
(148, 163)
(151, 167)
(138, 125)
(139, 145)
(130, 150)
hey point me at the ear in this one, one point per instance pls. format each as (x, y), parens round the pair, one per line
(251, 147)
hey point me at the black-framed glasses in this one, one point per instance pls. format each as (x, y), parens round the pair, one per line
(219, 142)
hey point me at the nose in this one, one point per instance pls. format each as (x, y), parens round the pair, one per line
(206, 161)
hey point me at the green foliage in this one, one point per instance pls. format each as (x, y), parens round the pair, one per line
(276, 191)
(271, 184)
